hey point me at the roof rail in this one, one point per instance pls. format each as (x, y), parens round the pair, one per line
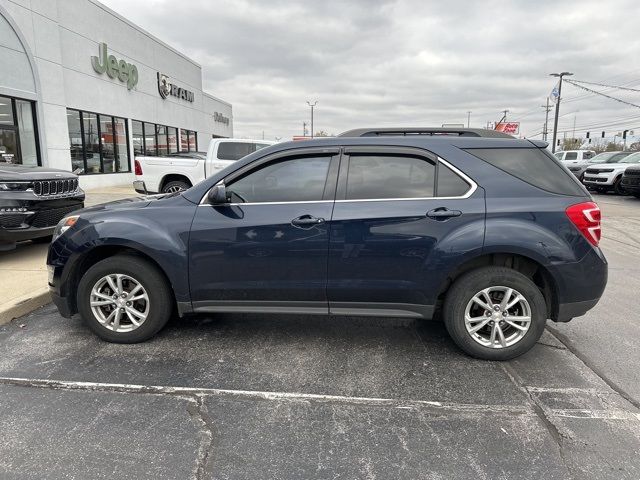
(401, 132)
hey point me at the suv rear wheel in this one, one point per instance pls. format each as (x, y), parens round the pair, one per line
(124, 299)
(495, 313)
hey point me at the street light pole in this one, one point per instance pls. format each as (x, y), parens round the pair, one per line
(312, 105)
(555, 121)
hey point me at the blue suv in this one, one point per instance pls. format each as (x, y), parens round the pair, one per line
(488, 233)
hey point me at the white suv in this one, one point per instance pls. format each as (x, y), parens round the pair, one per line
(608, 176)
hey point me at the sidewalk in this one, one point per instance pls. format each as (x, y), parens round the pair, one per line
(23, 272)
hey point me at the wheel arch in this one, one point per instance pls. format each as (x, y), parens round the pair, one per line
(174, 177)
(101, 252)
(524, 264)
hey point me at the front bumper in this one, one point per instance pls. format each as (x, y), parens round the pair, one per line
(25, 218)
(599, 179)
(631, 183)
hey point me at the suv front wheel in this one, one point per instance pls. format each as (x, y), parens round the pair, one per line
(495, 313)
(124, 299)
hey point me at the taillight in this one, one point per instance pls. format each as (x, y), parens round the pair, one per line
(586, 217)
(137, 167)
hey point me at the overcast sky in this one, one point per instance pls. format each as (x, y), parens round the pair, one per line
(404, 63)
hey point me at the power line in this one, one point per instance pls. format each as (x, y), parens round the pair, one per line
(602, 94)
(607, 86)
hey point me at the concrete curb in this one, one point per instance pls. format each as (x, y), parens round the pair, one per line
(22, 305)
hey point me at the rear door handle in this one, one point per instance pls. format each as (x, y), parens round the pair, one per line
(443, 213)
(306, 221)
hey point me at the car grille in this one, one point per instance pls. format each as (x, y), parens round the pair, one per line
(574, 169)
(632, 173)
(595, 171)
(594, 179)
(51, 217)
(47, 188)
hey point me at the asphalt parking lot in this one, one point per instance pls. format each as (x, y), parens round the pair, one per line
(279, 397)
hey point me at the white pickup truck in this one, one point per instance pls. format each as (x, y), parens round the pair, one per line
(179, 171)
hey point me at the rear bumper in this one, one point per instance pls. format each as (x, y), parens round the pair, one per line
(140, 187)
(579, 285)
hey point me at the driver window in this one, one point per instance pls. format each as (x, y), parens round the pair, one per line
(298, 179)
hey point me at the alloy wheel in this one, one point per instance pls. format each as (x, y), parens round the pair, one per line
(497, 317)
(119, 302)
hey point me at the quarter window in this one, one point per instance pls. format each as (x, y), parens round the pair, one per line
(571, 156)
(389, 176)
(293, 180)
(450, 184)
(234, 150)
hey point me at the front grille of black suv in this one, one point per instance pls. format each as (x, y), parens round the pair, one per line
(632, 173)
(47, 188)
(51, 217)
(11, 220)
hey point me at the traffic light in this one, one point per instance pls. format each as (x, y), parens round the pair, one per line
(587, 134)
(602, 134)
(624, 134)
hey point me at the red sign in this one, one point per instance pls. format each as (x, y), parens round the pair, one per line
(512, 128)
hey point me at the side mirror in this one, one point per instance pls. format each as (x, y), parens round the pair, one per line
(218, 195)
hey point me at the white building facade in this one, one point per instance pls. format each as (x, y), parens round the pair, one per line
(83, 88)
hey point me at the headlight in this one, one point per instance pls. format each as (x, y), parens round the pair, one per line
(13, 186)
(65, 224)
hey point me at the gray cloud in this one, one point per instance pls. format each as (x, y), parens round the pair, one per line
(403, 62)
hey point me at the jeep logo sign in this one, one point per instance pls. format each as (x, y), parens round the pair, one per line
(126, 72)
(166, 88)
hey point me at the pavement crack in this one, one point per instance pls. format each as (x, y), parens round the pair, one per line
(198, 411)
(541, 413)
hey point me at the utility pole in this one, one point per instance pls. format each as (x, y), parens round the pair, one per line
(555, 121)
(304, 129)
(469, 118)
(545, 130)
(312, 105)
(573, 136)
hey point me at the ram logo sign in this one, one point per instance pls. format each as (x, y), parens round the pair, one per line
(166, 88)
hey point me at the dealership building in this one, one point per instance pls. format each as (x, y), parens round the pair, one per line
(81, 87)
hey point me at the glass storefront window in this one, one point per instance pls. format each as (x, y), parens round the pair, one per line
(18, 134)
(163, 147)
(98, 143)
(137, 135)
(150, 140)
(75, 139)
(106, 144)
(184, 141)
(91, 142)
(26, 132)
(173, 139)
(193, 141)
(120, 141)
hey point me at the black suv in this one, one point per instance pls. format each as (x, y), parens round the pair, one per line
(33, 200)
(631, 181)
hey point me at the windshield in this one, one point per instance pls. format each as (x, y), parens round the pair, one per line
(635, 158)
(609, 157)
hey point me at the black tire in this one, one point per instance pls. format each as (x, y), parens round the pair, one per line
(152, 280)
(618, 188)
(175, 185)
(468, 285)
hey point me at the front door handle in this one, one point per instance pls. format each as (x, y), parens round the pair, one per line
(306, 221)
(443, 213)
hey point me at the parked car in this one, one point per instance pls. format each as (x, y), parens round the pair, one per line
(578, 167)
(490, 233)
(33, 200)
(578, 155)
(608, 176)
(631, 180)
(179, 171)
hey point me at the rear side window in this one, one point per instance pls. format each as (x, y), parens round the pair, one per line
(571, 156)
(450, 184)
(234, 150)
(389, 176)
(531, 165)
